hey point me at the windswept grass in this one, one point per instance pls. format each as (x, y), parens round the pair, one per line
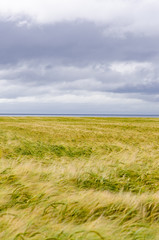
(79, 178)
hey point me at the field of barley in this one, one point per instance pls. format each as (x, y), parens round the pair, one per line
(64, 178)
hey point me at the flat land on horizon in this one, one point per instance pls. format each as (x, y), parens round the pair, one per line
(65, 178)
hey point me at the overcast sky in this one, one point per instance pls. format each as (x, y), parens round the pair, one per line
(79, 56)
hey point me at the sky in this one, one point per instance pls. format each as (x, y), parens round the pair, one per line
(77, 56)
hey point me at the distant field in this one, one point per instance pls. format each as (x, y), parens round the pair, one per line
(67, 178)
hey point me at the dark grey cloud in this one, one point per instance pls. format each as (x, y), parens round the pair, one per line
(77, 61)
(149, 88)
(77, 42)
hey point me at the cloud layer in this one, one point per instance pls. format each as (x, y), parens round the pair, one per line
(58, 56)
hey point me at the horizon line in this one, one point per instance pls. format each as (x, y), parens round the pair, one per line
(79, 114)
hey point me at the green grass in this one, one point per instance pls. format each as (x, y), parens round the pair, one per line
(79, 178)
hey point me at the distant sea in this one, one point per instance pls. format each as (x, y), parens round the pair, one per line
(78, 115)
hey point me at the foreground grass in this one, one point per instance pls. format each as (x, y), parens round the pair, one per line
(79, 178)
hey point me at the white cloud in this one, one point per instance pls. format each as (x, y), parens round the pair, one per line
(130, 67)
(139, 17)
(57, 10)
(82, 97)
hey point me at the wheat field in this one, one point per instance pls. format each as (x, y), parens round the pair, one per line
(65, 178)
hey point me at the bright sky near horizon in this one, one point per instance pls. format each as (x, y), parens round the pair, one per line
(77, 56)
